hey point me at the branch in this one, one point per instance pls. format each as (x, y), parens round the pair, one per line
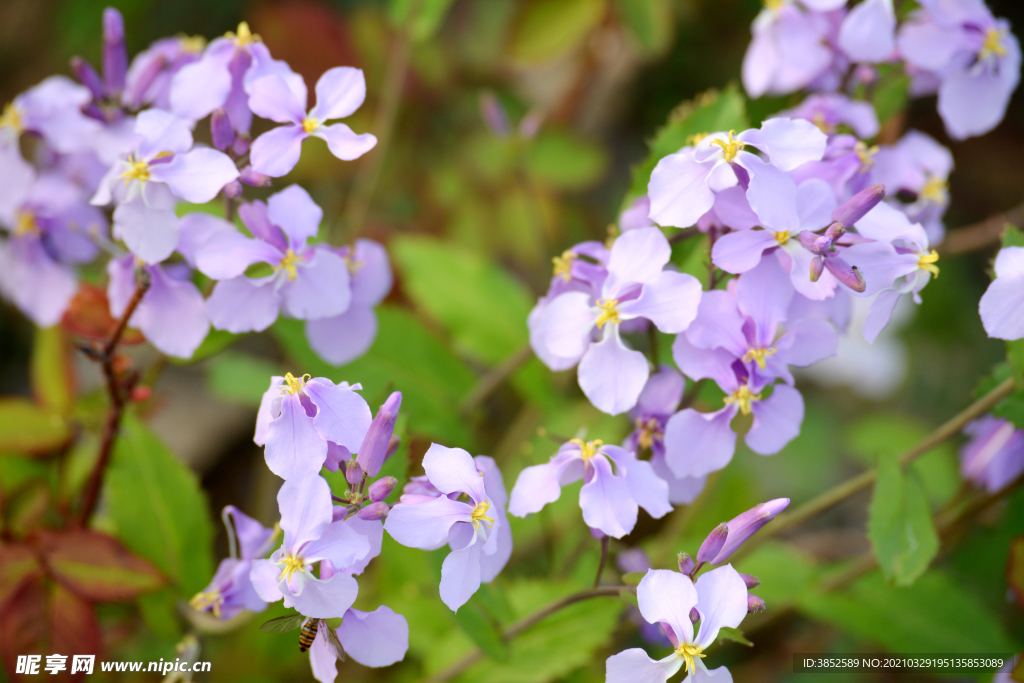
(684, 234)
(494, 377)
(982, 234)
(525, 623)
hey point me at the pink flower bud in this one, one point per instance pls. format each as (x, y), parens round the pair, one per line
(234, 189)
(494, 115)
(135, 94)
(854, 208)
(115, 54)
(382, 488)
(845, 273)
(393, 445)
(751, 581)
(713, 544)
(220, 129)
(241, 144)
(754, 604)
(87, 76)
(253, 178)
(685, 563)
(694, 615)
(378, 510)
(353, 474)
(375, 444)
(746, 524)
(338, 512)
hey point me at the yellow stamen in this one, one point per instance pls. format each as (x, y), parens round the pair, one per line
(309, 125)
(692, 140)
(757, 355)
(244, 36)
(26, 224)
(139, 170)
(588, 449)
(935, 190)
(288, 264)
(610, 315)
(613, 234)
(480, 514)
(292, 564)
(563, 264)
(819, 119)
(191, 44)
(866, 155)
(742, 397)
(993, 44)
(730, 147)
(649, 430)
(352, 264)
(294, 383)
(774, 5)
(927, 262)
(10, 117)
(782, 237)
(211, 598)
(688, 652)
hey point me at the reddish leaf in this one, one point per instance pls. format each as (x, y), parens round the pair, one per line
(97, 567)
(23, 623)
(88, 316)
(74, 629)
(18, 564)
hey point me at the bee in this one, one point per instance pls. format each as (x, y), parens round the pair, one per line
(310, 627)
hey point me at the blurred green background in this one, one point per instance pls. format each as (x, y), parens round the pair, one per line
(472, 217)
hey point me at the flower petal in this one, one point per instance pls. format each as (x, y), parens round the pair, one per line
(667, 597)
(344, 143)
(679, 190)
(377, 638)
(669, 301)
(243, 305)
(326, 599)
(606, 501)
(278, 99)
(634, 666)
(721, 601)
(228, 253)
(150, 233)
(425, 525)
(453, 470)
(697, 444)
(777, 420)
(637, 256)
(295, 212)
(611, 375)
(276, 152)
(196, 176)
(342, 416)
(321, 288)
(342, 338)
(294, 449)
(460, 576)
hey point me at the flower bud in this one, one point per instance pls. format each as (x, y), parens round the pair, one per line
(494, 115)
(234, 189)
(221, 130)
(685, 563)
(751, 581)
(115, 54)
(337, 456)
(353, 473)
(338, 512)
(854, 208)
(694, 615)
(241, 144)
(746, 524)
(382, 488)
(712, 545)
(754, 604)
(378, 510)
(87, 76)
(253, 178)
(135, 93)
(378, 437)
(817, 268)
(393, 445)
(846, 273)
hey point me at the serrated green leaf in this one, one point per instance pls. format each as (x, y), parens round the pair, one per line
(900, 524)
(733, 634)
(27, 428)
(159, 508)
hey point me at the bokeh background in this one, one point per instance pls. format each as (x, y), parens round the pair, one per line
(508, 130)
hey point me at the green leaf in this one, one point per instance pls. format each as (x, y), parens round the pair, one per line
(1012, 236)
(1015, 357)
(891, 94)
(565, 161)
(733, 634)
(546, 29)
(240, 377)
(25, 427)
(422, 18)
(52, 371)
(481, 629)
(97, 567)
(900, 524)
(936, 614)
(1015, 569)
(483, 307)
(159, 508)
(709, 112)
(650, 21)
(785, 573)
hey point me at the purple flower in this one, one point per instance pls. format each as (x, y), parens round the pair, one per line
(609, 498)
(223, 78)
(231, 591)
(340, 339)
(308, 281)
(147, 183)
(378, 638)
(1002, 305)
(311, 536)
(299, 416)
(339, 92)
(636, 215)
(51, 110)
(740, 528)
(994, 456)
(828, 111)
(973, 56)
(481, 543)
(868, 33)
(152, 71)
(683, 185)
(917, 167)
(666, 598)
(611, 375)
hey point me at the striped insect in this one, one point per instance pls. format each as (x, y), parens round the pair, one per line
(310, 627)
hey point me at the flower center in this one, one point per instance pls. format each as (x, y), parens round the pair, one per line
(26, 224)
(866, 155)
(192, 44)
(294, 384)
(10, 117)
(742, 397)
(730, 147)
(782, 237)
(244, 37)
(935, 190)
(928, 261)
(757, 355)
(993, 44)
(688, 652)
(310, 124)
(588, 449)
(211, 598)
(774, 5)
(288, 264)
(818, 119)
(480, 514)
(137, 169)
(563, 264)
(692, 140)
(649, 430)
(291, 564)
(610, 314)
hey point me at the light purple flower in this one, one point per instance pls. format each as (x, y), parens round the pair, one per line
(636, 215)
(480, 544)
(974, 57)
(741, 528)
(683, 185)
(611, 375)
(376, 443)
(339, 92)
(340, 339)
(917, 166)
(868, 33)
(1002, 305)
(376, 639)
(231, 591)
(149, 77)
(52, 111)
(311, 536)
(299, 416)
(828, 111)
(615, 484)
(147, 183)
(666, 598)
(994, 456)
(309, 281)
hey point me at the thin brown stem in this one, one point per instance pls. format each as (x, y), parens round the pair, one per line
(604, 558)
(493, 378)
(683, 235)
(117, 390)
(981, 234)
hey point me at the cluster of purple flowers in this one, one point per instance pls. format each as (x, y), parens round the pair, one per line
(113, 165)
(953, 48)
